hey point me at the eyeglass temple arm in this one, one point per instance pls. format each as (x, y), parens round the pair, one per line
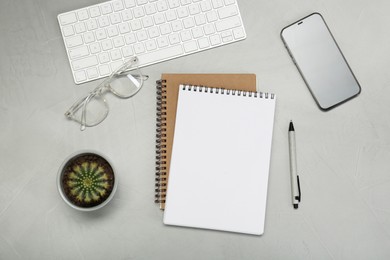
(77, 105)
(84, 110)
(141, 77)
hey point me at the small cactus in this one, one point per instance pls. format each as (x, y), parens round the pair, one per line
(88, 180)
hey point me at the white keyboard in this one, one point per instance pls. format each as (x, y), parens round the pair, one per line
(99, 38)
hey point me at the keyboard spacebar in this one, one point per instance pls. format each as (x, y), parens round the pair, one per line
(159, 55)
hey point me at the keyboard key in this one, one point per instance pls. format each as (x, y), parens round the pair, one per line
(227, 12)
(171, 15)
(106, 8)
(177, 26)
(136, 25)
(124, 28)
(92, 73)
(162, 42)
(227, 36)
(83, 15)
(104, 57)
(139, 48)
(68, 18)
(115, 54)
(89, 37)
(115, 18)
(138, 12)
(185, 2)
(173, 3)
(80, 76)
(228, 23)
(188, 23)
(190, 46)
(74, 41)
(112, 31)
(118, 42)
(205, 6)
(238, 33)
(185, 35)
(103, 21)
(84, 63)
(151, 45)
(129, 3)
(101, 34)
(217, 3)
(153, 32)
(215, 39)
(162, 6)
(104, 70)
(130, 38)
(162, 54)
(203, 43)
(127, 15)
(209, 29)
(182, 12)
(229, 2)
(194, 9)
(142, 36)
(78, 52)
(118, 5)
(127, 51)
(94, 11)
(107, 45)
(80, 27)
(174, 38)
(147, 21)
(150, 9)
(165, 29)
(197, 32)
(212, 16)
(68, 30)
(95, 48)
(91, 24)
(159, 18)
(200, 19)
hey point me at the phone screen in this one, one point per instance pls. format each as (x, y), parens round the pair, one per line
(320, 61)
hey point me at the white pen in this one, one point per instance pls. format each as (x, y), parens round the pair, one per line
(295, 187)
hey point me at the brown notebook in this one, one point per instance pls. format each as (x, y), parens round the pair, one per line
(167, 95)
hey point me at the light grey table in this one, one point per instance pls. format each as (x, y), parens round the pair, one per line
(343, 155)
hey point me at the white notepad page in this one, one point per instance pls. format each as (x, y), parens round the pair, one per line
(220, 161)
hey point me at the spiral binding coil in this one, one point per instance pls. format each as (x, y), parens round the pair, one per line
(228, 91)
(161, 169)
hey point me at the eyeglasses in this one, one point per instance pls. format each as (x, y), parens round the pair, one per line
(93, 109)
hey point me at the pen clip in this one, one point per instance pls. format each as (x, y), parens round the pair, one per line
(299, 190)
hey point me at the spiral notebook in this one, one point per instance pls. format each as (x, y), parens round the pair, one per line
(220, 160)
(167, 94)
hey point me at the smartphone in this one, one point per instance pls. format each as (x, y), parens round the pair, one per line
(320, 61)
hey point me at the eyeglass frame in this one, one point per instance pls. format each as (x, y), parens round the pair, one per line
(101, 89)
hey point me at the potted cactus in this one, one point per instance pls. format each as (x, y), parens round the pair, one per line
(86, 181)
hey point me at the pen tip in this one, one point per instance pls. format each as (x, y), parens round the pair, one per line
(295, 206)
(291, 127)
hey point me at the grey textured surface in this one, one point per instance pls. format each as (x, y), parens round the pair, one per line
(343, 155)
